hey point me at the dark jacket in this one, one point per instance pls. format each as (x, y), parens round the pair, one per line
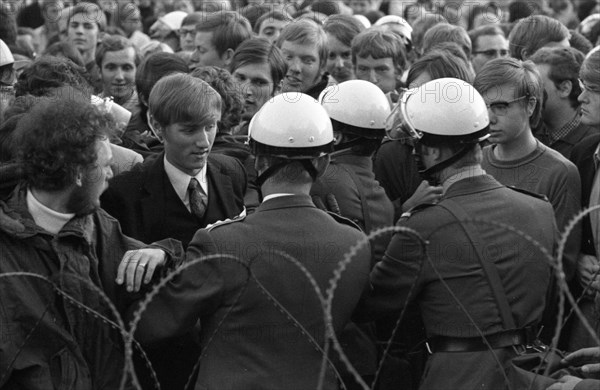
(146, 205)
(406, 275)
(264, 330)
(583, 158)
(50, 338)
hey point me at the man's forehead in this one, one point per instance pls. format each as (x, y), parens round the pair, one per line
(502, 92)
(123, 55)
(491, 40)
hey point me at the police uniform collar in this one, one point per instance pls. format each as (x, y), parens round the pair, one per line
(473, 185)
(461, 174)
(294, 200)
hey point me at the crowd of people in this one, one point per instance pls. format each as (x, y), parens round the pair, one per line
(392, 176)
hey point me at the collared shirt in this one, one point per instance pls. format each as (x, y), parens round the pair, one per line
(566, 129)
(277, 195)
(464, 173)
(180, 181)
(46, 218)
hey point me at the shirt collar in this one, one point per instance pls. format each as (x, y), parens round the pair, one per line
(463, 173)
(278, 195)
(181, 180)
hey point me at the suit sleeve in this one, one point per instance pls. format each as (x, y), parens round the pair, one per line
(195, 290)
(392, 279)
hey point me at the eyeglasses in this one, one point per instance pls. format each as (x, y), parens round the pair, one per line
(500, 108)
(587, 87)
(493, 53)
(183, 32)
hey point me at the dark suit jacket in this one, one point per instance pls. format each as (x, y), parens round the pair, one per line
(146, 205)
(248, 341)
(583, 157)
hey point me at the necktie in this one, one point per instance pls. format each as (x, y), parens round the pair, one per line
(198, 198)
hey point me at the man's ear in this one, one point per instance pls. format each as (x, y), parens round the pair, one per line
(565, 88)
(321, 164)
(79, 176)
(227, 56)
(433, 152)
(337, 137)
(531, 105)
(154, 126)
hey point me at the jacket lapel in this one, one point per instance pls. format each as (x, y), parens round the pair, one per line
(221, 203)
(153, 203)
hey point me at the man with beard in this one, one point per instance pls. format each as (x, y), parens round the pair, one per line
(51, 226)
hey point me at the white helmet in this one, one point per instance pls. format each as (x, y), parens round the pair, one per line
(360, 106)
(291, 125)
(6, 56)
(445, 110)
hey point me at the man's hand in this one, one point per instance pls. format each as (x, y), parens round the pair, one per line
(587, 358)
(587, 267)
(567, 382)
(425, 193)
(139, 264)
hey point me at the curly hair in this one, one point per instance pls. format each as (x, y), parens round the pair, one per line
(231, 96)
(47, 73)
(57, 137)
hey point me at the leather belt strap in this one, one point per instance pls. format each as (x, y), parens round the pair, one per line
(472, 344)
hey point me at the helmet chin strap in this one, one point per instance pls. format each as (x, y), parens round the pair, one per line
(429, 174)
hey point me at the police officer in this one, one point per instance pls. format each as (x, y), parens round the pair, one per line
(358, 110)
(474, 278)
(248, 340)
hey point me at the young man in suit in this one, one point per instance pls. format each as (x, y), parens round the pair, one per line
(153, 200)
(179, 191)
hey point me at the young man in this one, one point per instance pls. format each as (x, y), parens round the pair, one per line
(304, 47)
(488, 43)
(177, 192)
(52, 225)
(259, 68)
(379, 57)
(85, 23)
(118, 61)
(559, 68)
(269, 25)
(533, 33)
(217, 37)
(585, 156)
(513, 93)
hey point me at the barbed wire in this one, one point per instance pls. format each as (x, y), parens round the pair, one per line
(325, 300)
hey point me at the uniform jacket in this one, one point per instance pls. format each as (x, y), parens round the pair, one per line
(337, 180)
(248, 342)
(47, 341)
(146, 205)
(524, 273)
